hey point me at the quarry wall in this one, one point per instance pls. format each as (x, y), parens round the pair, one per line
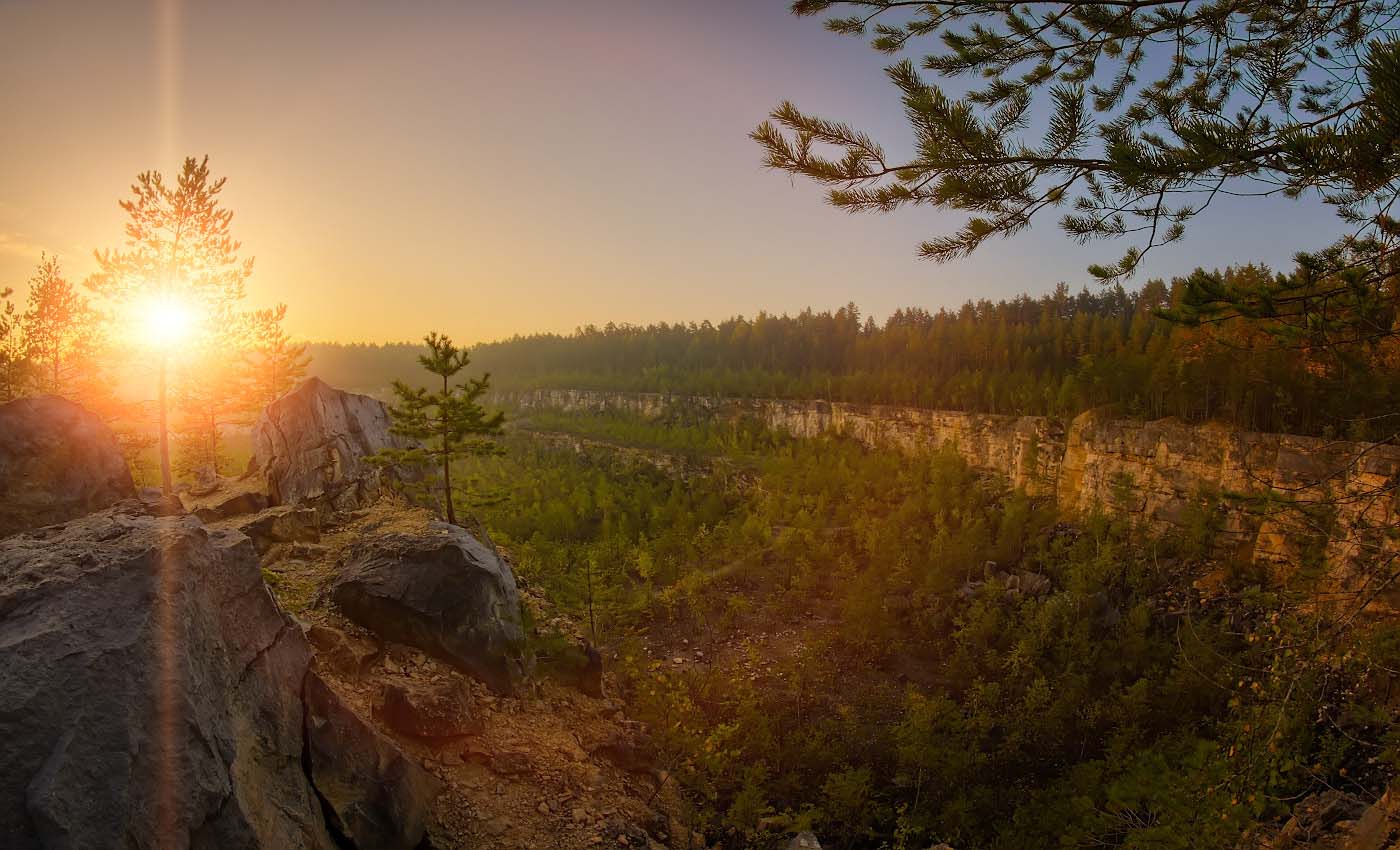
(1275, 497)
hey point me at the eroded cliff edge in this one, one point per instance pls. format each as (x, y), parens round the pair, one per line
(1273, 497)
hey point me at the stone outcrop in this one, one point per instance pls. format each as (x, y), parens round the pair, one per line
(375, 797)
(442, 591)
(1013, 584)
(1157, 470)
(153, 694)
(280, 524)
(58, 461)
(220, 498)
(150, 691)
(311, 447)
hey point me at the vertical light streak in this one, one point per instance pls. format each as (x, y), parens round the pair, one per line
(168, 71)
(168, 735)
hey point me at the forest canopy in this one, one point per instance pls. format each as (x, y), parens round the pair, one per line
(1058, 354)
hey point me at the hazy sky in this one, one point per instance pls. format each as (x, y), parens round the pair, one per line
(492, 168)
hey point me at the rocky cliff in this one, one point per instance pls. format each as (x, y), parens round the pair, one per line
(149, 691)
(313, 446)
(1259, 489)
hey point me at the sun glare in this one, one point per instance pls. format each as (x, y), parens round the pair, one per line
(165, 321)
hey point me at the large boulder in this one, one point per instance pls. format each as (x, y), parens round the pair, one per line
(311, 447)
(375, 797)
(443, 591)
(58, 461)
(150, 691)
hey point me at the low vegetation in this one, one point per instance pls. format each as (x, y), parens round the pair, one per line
(899, 652)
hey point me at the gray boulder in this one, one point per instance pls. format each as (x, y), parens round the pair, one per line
(440, 590)
(280, 524)
(375, 797)
(58, 461)
(150, 691)
(311, 445)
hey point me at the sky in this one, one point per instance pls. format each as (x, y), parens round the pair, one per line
(487, 169)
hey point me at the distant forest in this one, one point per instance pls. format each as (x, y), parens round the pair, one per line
(1058, 354)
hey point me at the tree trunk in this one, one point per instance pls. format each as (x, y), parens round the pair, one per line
(165, 487)
(213, 444)
(446, 462)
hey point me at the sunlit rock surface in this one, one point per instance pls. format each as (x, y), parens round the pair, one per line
(150, 691)
(280, 524)
(443, 591)
(220, 497)
(311, 445)
(57, 461)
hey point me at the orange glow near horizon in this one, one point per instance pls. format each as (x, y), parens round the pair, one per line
(492, 169)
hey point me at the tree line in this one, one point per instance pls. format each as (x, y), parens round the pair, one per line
(1148, 353)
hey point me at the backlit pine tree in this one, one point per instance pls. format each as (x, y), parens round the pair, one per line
(273, 364)
(210, 396)
(61, 336)
(179, 247)
(450, 422)
(14, 360)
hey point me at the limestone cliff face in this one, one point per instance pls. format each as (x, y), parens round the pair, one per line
(1158, 470)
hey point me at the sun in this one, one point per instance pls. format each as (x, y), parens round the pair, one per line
(164, 321)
